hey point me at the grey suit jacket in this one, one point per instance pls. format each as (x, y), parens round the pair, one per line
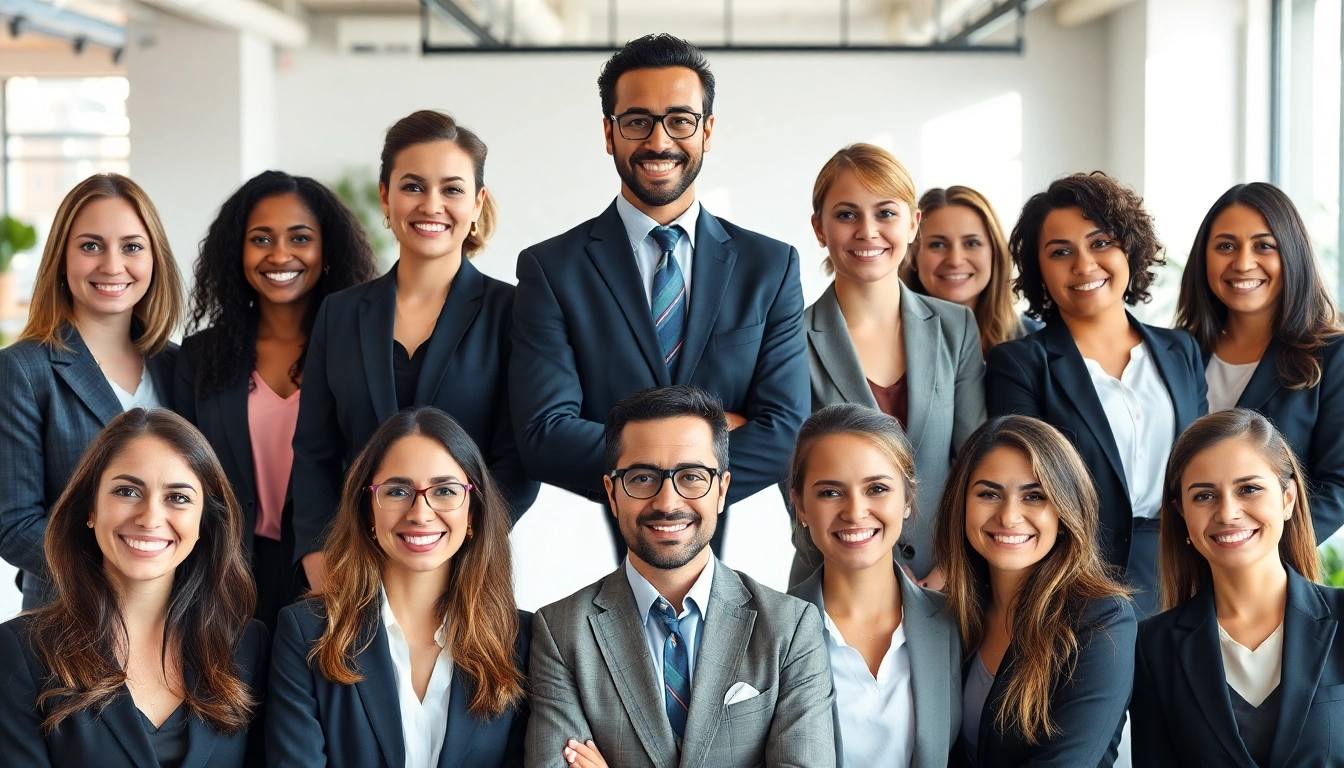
(945, 379)
(591, 677)
(934, 645)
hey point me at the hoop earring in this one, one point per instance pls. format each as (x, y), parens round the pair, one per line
(473, 229)
(387, 222)
(326, 268)
(373, 532)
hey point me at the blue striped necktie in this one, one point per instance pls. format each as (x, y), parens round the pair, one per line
(676, 671)
(669, 296)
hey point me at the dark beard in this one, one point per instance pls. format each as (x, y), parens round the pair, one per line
(663, 556)
(658, 197)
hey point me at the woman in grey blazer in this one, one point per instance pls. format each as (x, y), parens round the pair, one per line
(895, 654)
(106, 299)
(874, 342)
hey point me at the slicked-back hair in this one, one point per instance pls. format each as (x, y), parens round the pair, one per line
(658, 403)
(1113, 208)
(659, 51)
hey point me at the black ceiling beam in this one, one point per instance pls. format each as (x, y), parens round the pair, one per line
(464, 20)
(31, 16)
(991, 16)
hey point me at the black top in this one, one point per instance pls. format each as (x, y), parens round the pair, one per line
(406, 372)
(1256, 725)
(170, 740)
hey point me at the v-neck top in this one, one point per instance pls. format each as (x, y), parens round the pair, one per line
(893, 400)
(406, 371)
(974, 694)
(146, 395)
(1253, 674)
(170, 740)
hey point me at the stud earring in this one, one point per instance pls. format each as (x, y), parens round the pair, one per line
(469, 532)
(89, 523)
(373, 532)
(1187, 540)
(387, 222)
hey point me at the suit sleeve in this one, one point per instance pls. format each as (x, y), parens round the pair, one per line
(1008, 387)
(294, 737)
(802, 734)
(558, 446)
(513, 749)
(780, 394)
(1201, 383)
(506, 463)
(256, 657)
(21, 738)
(318, 447)
(1089, 707)
(1150, 741)
(969, 394)
(184, 384)
(23, 511)
(1325, 458)
(557, 714)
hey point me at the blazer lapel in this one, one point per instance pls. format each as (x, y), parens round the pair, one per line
(711, 269)
(810, 590)
(460, 308)
(377, 313)
(232, 405)
(1308, 633)
(1067, 366)
(1169, 365)
(829, 338)
(611, 254)
(81, 373)
(123, 720)
(929, 644)
(160, 370)
(1264, 382)
(619, 630)
(723, 643)
(1202, 662)
(920, 330)
(378, 693)
(462, 726)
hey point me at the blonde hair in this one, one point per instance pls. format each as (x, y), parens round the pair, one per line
(878, 171)
(52, 309)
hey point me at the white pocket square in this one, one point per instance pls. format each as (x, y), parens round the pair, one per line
(739, 692)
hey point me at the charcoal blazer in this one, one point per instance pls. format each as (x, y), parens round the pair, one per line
(311, 721)
(592, 678)
(56, 403)
(583, 338)
(1043, 375)
(115, 737)
(934, 645)
(1182, 711)
(349, 388)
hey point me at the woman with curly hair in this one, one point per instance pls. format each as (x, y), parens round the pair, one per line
(277, 248)
(1121, 390)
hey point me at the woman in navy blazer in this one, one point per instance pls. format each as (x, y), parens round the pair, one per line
(1246, 667)
(1047, 636)
(278, 246)
(148, 656)
(107, 299)
(413, 656)
(432, 331)
(1253, 298)
(1084, 249)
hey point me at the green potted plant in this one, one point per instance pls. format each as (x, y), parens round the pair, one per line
(15, 237)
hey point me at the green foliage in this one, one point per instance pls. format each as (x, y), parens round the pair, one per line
(1332, 564)
(15, 237)
(358, 189)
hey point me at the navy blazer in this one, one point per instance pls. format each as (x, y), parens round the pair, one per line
(583, 338)
(311, 721)
(1183, 713)
(1043, 375)
(349, 388)
(1312, 421)
(1087, 705)
(115, 737)
(56, 403)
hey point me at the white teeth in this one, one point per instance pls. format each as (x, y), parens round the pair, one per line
(1017, 538)
(1090, 286)
(111, 287)
(671, 528)
(1247, 285)
(956, 278)
(430, 226)
(420, 541)
(1235, 536)
(281, 277)
(868, 254)
(658, 167)
(146, 546)
(853, 537)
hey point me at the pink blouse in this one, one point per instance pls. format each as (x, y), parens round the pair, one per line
(271, 420)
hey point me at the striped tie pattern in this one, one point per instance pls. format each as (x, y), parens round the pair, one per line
(669, 296)
(676, 671)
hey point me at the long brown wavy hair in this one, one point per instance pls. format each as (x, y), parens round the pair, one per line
(1184, 571)
(79, 637)
(481, 616)
(1049, 607)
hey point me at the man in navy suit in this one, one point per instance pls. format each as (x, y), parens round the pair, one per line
(656, 291)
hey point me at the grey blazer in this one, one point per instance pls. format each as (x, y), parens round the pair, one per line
(944, 376)
(934, 644)
(591, 677)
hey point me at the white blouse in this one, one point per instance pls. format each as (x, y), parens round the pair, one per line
(876, 714)
(1226, 382)
(424, 724)
(1143, 423)
(145, 395)
(1252, 674)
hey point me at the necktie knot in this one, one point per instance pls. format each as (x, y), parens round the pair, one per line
(666, 237)
(663, 610)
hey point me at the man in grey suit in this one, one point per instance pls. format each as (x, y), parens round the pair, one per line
(674, 659)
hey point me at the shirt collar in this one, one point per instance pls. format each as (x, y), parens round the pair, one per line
(837, 638)
(638, 224)
(646, 595)
(393, 628)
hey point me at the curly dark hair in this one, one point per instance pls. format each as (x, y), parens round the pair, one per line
(1113, 207)
(224, 302)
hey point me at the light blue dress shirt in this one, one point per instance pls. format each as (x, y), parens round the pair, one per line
(692, 615)
(648, 254)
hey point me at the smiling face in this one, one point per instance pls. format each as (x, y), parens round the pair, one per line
(1009, 520)
(420, 539)
(1085, 272)
(1234, 505)
(853, 502)
(955, 259)
(865, 234)
(431, 199)
(667, 531)
(147, 516)
(282, 249)
(1242, 262)
(658, 172)
(108, 261)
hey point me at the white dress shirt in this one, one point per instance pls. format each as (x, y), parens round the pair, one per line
(876, 715)
(692, 615)
(1252, 674)
(145, 395)
(1143, 423)
(424, 724)
(1226, 382)
(646, 250)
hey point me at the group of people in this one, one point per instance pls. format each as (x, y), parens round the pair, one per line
(286, 541)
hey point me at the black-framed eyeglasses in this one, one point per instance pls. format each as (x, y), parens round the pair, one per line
(400, 497)
(690, 482)
(637, 126)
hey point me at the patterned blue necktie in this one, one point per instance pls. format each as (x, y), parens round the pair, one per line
(669, 296)
(676, 671)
